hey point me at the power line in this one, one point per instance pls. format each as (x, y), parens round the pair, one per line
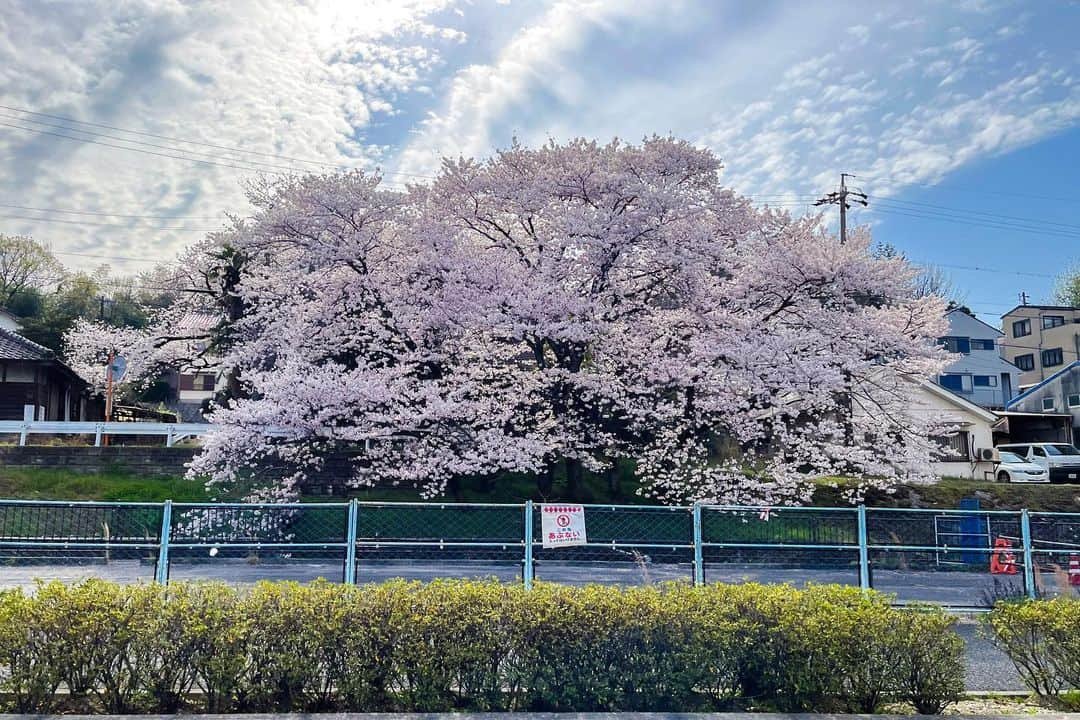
(987, 270)
(166, 137)
(104, 224)
(125, 147)
(113, 257)
(981, 213)
(173, 139)
(109, 214)
(256, 163)
(979, 216)
(972, 222)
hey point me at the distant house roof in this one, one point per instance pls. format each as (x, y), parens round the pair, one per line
(1068, 368)
(962, 312)
(198, 321)
(961, 402)
(15, 347)
(1041, 307)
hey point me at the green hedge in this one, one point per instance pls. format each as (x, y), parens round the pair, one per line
(1042, 638)
(99, 647)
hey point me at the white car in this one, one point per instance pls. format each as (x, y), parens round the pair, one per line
(1014, 468)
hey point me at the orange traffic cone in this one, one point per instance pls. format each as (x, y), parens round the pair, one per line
(1002, 559)
(1074, 569)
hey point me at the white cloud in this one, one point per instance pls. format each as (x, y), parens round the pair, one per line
(907, 95)
(296, 80)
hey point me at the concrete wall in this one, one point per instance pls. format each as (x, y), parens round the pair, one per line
(157, 461)
(136, 459)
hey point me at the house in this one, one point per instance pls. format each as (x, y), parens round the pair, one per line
(194, 385)
(35, 384)
(1040, 340)
(8, 321)
(980, 374)
(1058, 394)
(975, 430)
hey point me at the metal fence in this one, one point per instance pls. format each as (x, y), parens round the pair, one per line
(938, 556)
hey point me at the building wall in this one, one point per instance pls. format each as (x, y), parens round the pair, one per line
(973, 422)
(8, 322)
(980, 375)
(1061, 390)
(1066, 337)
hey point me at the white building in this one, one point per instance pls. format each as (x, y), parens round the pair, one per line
(981, 375)
(974, 436)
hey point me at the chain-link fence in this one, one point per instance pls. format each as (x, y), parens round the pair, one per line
(956, 558)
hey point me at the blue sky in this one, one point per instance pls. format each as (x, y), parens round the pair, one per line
(961, 119)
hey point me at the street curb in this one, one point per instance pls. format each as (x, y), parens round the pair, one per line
(532, 716)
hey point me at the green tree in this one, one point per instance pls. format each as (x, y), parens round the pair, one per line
(1067, 287)
(88, 296)
(26, 265)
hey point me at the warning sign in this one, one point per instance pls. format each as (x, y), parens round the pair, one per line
(562, 525)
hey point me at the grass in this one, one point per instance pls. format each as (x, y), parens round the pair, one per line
(117, 485)
(948, 492)
(110, 485)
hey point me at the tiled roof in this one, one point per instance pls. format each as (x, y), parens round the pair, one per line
(195, 320)
(16, 347)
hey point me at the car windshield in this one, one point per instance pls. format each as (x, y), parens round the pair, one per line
(1061, 449)
(1008, 457)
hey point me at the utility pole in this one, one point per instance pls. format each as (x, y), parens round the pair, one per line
(840, 197)
(1023, 298)
(108, 394)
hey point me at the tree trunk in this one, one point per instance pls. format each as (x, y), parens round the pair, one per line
(453, 485)
(611, 475)
(574, 472)
(545, 480)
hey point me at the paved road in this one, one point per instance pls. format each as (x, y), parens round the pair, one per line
(988, 669)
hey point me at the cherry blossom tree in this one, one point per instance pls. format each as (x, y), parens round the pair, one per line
(189, 325)
(569, 305)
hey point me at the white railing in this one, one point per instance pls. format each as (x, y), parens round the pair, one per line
(172, 432)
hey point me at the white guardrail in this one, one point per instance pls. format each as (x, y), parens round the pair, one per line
(172, 432)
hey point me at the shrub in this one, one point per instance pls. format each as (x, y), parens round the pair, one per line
(473, 646)
(1042, 638)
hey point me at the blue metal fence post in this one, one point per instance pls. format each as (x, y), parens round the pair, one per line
(1029, 567)
(864, 552)
(162, 575)
(699, 566)
(527, 569)
(350, 538)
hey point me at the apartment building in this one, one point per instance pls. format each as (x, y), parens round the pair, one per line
(980, 374)
(1040, 340)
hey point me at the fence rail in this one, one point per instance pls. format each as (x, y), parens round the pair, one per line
(172, 432)
(940, 556)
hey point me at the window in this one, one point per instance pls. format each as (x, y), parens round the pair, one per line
(984, 381)
(957, 344)
(955, 447)
(982, 344)
(1050, 358)
(1038, 451)
(1021, 328)
(1052, 321)
(956, 383)
(1062, 449)
(1048, 404)
(204, 381)
(1074, 400)
(1025, 362)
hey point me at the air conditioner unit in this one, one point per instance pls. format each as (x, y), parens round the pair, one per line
(988, 455)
